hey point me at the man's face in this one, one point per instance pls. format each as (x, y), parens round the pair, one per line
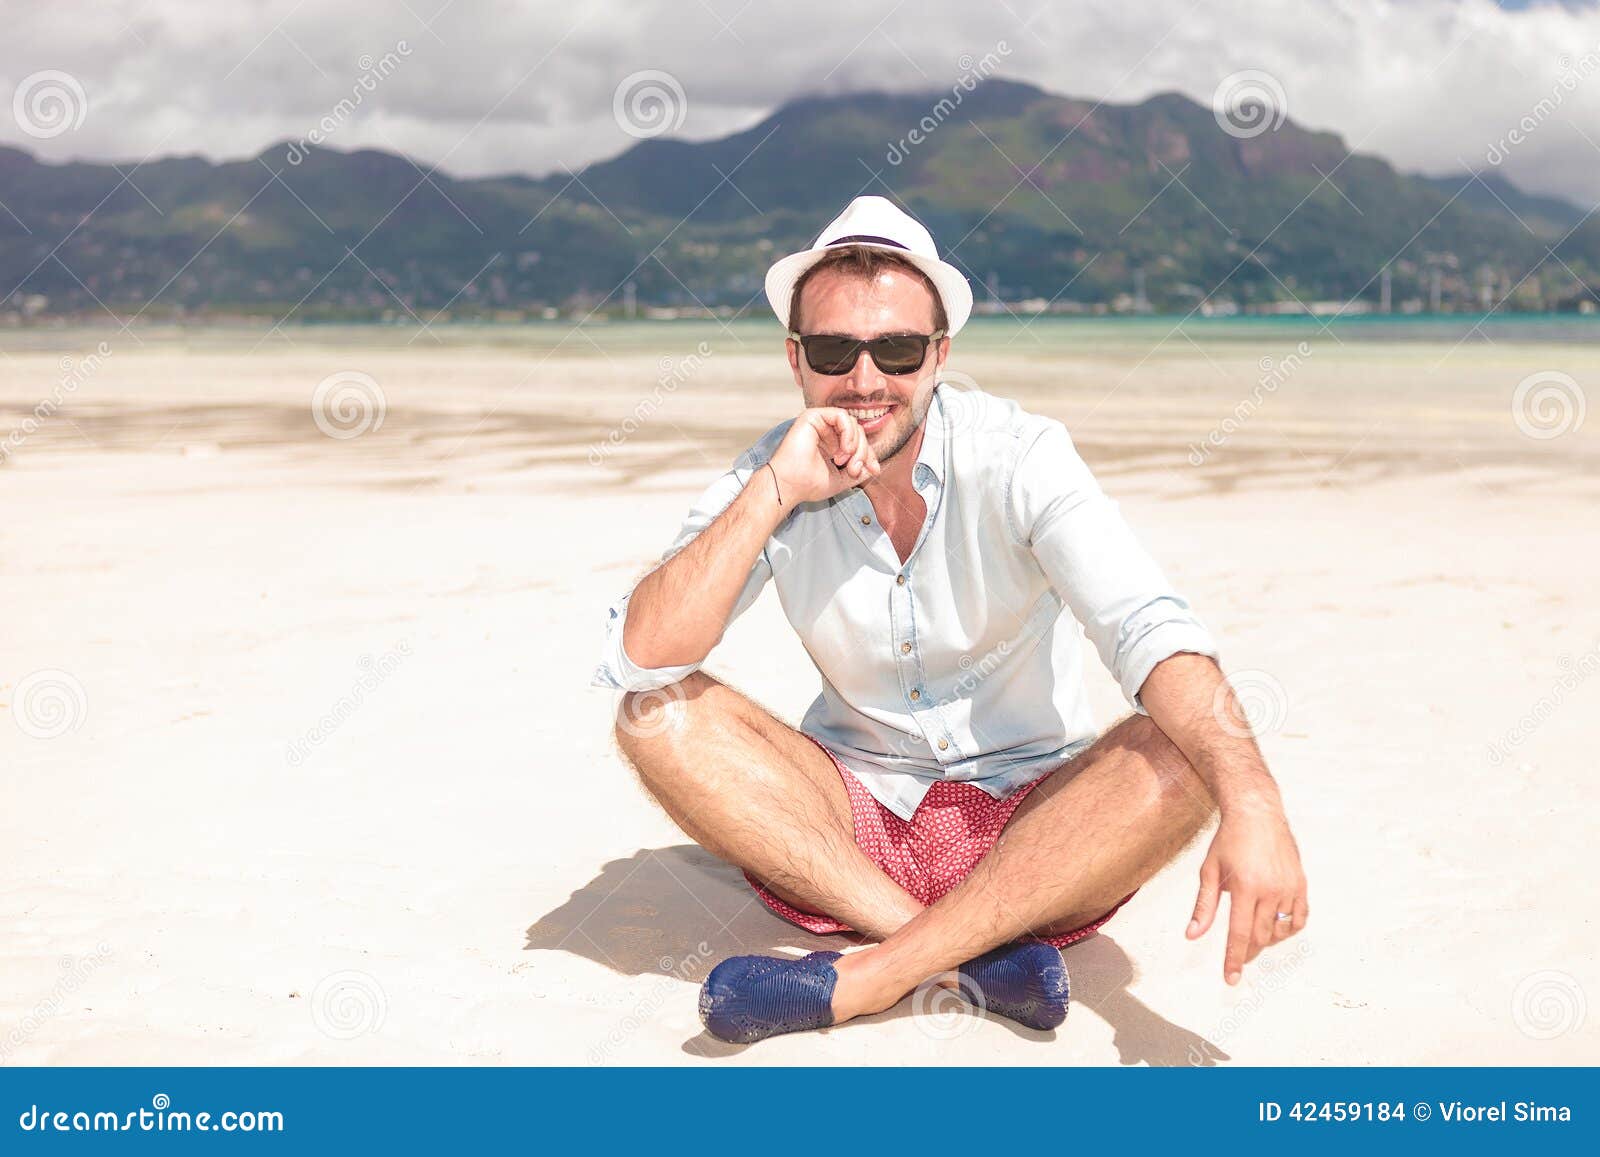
(894, 301)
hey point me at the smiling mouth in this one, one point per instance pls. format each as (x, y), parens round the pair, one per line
(870, 418)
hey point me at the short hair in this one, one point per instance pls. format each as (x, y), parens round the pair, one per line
(865, 261)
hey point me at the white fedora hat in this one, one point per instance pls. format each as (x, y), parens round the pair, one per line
(879, 223)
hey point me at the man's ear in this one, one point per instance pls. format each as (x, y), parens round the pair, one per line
(791, 349)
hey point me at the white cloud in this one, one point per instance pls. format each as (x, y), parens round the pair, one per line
(527, 87)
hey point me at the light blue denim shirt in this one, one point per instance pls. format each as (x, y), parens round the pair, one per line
(960, 663)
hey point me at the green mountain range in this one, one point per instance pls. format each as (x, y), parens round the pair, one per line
(1036, 196)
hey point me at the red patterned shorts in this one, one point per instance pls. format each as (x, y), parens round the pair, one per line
(953, 828)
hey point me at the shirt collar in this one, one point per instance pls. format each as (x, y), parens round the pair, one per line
(931, 458)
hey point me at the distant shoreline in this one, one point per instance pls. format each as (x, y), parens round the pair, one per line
(1557, 328)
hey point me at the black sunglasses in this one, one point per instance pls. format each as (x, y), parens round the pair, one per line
(895, 353)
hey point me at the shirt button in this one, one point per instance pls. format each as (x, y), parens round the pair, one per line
(900, 580)
(944, 745)
(866, 520)
(905, 648)
(915, 694)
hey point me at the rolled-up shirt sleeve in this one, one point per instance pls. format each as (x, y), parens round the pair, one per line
(617, 671)
(1097, 566)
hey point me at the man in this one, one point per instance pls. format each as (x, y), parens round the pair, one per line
(946, 794)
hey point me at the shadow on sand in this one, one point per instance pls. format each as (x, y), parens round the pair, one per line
(677, 911)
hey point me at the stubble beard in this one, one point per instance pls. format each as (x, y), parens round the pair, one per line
(903, 438)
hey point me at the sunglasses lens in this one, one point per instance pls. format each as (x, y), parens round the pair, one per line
(829, 354)
(897, 355)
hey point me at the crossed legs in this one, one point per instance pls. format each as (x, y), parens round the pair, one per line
(756, 792)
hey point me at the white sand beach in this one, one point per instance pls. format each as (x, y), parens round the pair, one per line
(301, 764)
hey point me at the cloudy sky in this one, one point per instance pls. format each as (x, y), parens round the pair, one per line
(483, 86)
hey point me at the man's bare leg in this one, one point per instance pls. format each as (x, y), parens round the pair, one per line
(755, 792)
(1073, 849)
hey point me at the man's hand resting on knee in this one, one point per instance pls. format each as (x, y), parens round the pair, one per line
(1253, 857)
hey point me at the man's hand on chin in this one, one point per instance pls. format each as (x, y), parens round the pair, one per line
(824, 453)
